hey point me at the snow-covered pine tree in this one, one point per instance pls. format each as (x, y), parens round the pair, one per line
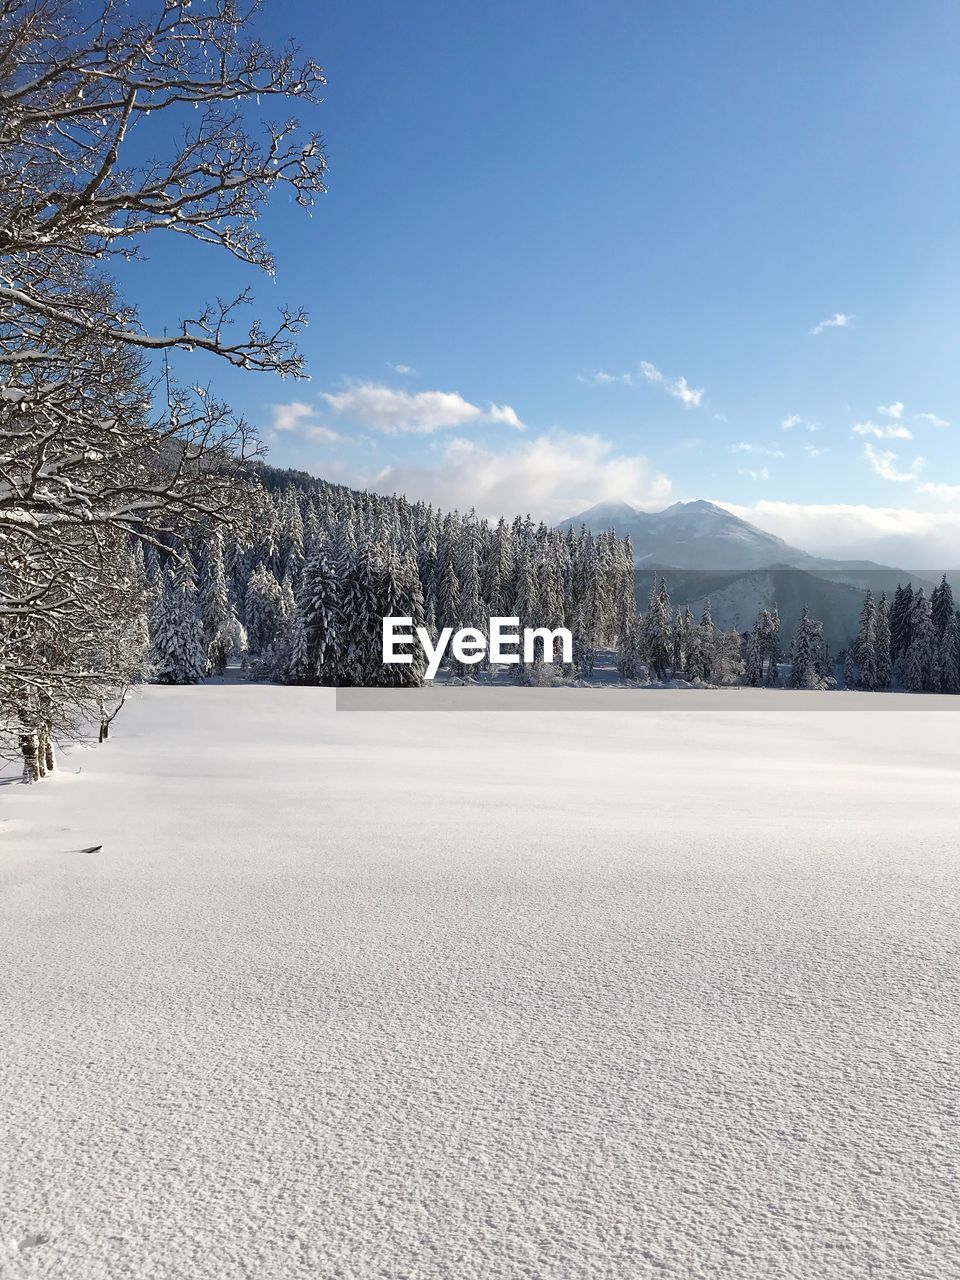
(900, 618)
(865, 647)
(950, 656)
(919, 666)
(468, 596)
(883, 662)
(772, 646)
(706, 643)
(449, 609)
(762, 647)
(315, 631)
(265, 619)
(849, 668)
(753, 655)
(213, 603)
(291, 536)
(630, 654)
(941, 606)
(591, 600)
(584, 654)
(727, 657)
(807, 654)
(676, 636)
(361, 619)
(399, 596)
(497, 571)
(658, 638)
(692, 658)
(177, 650)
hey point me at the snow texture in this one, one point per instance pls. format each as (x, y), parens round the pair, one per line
(470, 995)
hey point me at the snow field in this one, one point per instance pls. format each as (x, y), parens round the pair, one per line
(482, 995)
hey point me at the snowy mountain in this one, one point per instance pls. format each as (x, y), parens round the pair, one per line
(708, 553)
(693, 535)
(701, 535)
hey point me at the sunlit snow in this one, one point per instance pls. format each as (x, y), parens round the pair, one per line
(650, 994)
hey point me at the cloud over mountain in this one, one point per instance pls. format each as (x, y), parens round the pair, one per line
(391, 411)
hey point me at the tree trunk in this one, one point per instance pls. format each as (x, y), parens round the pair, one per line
(29, 747)
(50, 758)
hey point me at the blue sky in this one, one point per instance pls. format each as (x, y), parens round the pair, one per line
(600, 240)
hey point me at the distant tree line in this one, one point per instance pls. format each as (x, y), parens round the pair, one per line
(297, 592)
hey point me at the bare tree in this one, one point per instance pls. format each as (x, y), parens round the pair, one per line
(95, 446)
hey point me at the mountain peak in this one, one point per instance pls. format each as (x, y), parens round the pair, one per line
(691, 535)
(606, 511)
(697, 506)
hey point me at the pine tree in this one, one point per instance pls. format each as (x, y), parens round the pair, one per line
(773, 646)
(883, 660)
(177, 650)
(497, 573)
(292, 536)
(630, 656)
(919, 671)
(676, 639)
(727, 657)
(808, 654)
(706, 642)
(900, 621)
(941, 606)
(401, 596)
(213, 604)
(865, 647)
(950, 656)
(761, 648)
(584, 654)
(264, 610)
(449, 609)
(849, 669)
(315, 631)
(657, 631)
(361, 620)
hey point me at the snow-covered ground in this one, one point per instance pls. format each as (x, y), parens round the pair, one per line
(471, 994)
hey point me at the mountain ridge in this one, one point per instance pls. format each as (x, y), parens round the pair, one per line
(702, 535)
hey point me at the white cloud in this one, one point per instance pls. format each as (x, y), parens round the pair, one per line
(603, 379)
(743, 447)
(837, 321)
(552, 476)
(886, 431)
(404, 370)
(691, 396)
(687, 444)
(889, 535)
(894, 410)
(301, 419)
(678, 387)
(933, 419)
(369, 404)
(812, 451)
(949, 492)
(760, 475)
(885, 463)
(796, 420)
